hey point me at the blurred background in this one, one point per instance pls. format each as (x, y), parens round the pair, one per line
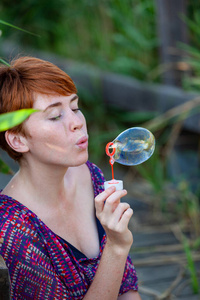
(135, 63)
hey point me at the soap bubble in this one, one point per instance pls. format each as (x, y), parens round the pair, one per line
(132, 147)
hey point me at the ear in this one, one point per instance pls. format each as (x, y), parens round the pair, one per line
(16, 141)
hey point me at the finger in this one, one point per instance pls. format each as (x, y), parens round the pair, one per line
(125, 218)
(113, 201)
(119, 211)
(101, 198)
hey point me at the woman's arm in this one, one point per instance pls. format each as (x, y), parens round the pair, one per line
(130, 295)
(114, 217)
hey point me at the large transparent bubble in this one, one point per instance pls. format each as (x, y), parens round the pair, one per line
(133, 146)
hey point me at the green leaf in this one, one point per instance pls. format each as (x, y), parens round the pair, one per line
(4, 62)
(191, 267)
(14, 118)
(196, 244)
(4, 168)
(18, 28)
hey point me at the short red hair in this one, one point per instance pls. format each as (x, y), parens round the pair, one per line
(21, 81)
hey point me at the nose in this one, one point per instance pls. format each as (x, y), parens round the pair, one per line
(77, 121)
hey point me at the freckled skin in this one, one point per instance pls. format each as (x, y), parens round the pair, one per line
(54, 133)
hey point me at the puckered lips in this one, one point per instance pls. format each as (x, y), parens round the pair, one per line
(82, 142)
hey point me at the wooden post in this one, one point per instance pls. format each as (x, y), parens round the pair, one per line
(4, 281)
(171, 30)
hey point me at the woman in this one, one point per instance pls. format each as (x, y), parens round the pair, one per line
(58, 243)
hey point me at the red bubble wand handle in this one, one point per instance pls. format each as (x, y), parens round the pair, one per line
(110, 154)
(118, 184)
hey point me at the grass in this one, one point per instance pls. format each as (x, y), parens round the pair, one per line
(191, 267)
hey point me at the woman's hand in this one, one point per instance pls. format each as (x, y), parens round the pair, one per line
(114, 217)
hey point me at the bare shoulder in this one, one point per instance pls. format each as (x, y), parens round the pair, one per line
(81, 176)
(85, 172)
(81, 181)
(11, 189)
(130, 295)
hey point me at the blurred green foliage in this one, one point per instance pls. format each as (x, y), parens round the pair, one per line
(114, 35)
(4, 168)
(191, 79)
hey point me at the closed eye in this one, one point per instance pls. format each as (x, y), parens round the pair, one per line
(56, 118)
(76, 109)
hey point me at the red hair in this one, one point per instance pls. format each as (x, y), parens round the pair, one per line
(24, 78)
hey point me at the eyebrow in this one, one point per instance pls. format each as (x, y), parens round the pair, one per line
(52, 105)
(75, 97)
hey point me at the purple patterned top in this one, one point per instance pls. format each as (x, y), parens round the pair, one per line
(41, 264)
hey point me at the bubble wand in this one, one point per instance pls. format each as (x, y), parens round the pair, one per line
(111, 161)
(131, 147)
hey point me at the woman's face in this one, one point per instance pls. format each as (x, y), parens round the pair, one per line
(57, 134)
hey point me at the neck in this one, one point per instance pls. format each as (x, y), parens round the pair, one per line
(47, 183)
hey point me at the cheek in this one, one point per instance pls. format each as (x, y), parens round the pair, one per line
(40, 137)
(84, 122)
(47, 141)
(39, 130)
(54, 141)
